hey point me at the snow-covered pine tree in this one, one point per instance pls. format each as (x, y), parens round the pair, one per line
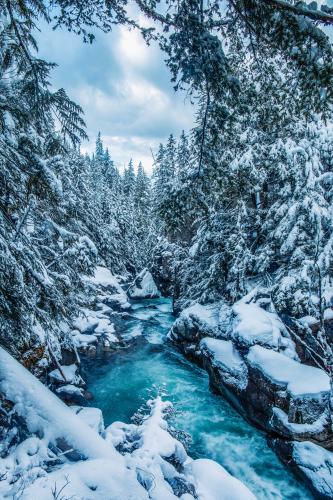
(297, 245)
(129, 180)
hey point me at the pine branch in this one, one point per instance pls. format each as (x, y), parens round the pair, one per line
(299, 10)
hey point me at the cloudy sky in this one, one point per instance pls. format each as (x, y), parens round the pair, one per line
(123, 87)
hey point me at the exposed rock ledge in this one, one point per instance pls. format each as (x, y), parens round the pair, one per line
(252, 361)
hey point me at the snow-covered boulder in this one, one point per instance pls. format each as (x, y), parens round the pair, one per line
(212, 482)
(292, 398)
(71, 394)
(93, 329)
(193, 324)
(224, 363)
(110, 291)
(143, 287)
(66, 374)
(298, 380)
(312, 463)
(252, 361)
(252, 325)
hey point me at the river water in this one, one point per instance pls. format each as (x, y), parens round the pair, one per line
(123, 381)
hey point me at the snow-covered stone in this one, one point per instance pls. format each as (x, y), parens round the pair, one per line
(143, 287)
(104, 277)
(309, 461)
(193, 324)
(297, 429)
(70, 389)
(82, 340)
(70, 373)
(225, 357)
(71, 394)
(253, 325)
(317, 465)
(111, 291)
(296, 378)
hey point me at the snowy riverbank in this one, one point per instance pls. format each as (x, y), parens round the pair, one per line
(252, 360)
(57, 450)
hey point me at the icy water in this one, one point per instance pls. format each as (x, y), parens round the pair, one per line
(123, 382)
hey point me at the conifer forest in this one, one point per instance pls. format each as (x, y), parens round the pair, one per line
(166, 283)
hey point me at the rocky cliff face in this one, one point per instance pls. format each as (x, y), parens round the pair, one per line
(252, 361)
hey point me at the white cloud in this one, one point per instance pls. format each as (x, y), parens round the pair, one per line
(131, 50)
(123, 88)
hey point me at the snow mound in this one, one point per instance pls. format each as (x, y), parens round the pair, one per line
(45, 414)
(91, 416)
(213, 482)
(298, 379)
(70, 389)
(82, 340)
(164, 466)
(253, 325)
(143, 287)
(89, 480)
(225, 357)
(196, 318)
(207, 314)
(104, 278)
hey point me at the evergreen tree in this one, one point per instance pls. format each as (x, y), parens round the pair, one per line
(129, 180)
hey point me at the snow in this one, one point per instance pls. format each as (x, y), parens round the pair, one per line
(45, 414)
(328, 314)
(308, 320)
(299, 379)
(154, 446)
(143, 470)
(143, 286)
(85, 322)
(94, 324)
(213, 482)
(91, 416)
(317, 464)
(104, 278)
(254, 325)
(207, 314)
(89, 480)
(120, 298)
(70, 373)
(314, 428)
(81, 339)
(70, 389)
(226, 357)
